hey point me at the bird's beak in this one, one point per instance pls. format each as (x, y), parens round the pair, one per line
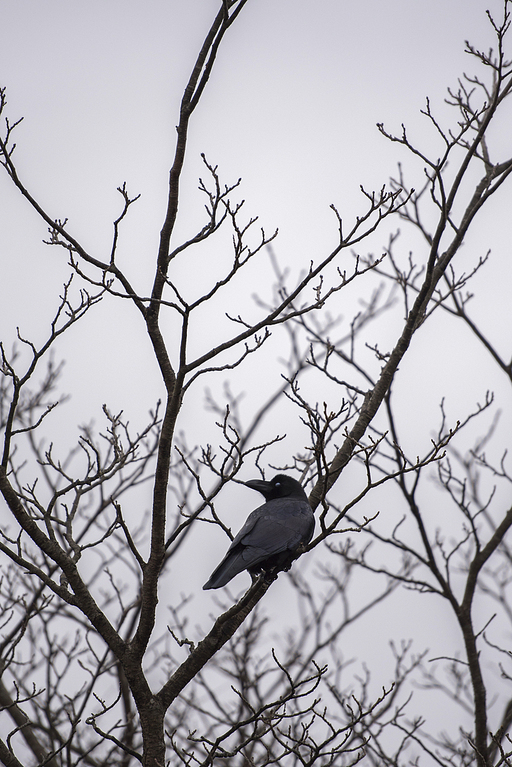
(258, 484)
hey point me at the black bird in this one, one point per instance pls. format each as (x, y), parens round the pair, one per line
(272, 533)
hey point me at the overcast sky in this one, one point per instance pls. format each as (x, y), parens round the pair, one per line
(291, 108)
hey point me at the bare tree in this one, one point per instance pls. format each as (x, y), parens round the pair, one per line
(82, 655)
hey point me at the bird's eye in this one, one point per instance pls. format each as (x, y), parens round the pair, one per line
(278, 484)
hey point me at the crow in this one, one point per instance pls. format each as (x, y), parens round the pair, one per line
(272, 533)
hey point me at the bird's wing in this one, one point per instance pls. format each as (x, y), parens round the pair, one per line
(278, 525)
(246, 528)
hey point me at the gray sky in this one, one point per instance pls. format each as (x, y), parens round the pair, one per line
(291, 108)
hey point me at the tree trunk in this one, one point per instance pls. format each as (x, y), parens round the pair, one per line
(152, 724)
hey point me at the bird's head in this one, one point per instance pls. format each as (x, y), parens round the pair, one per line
(281, 486)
